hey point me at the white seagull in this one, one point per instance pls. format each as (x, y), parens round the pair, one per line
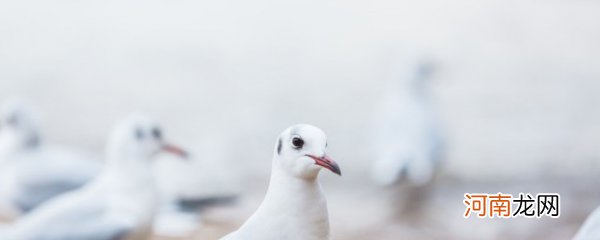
(590, 230)
(119, 204)
(407, 139)
(31, 172)
(294, 206)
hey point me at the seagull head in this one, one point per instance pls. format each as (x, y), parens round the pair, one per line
(301, 151)
(18, 127)
(139, 138)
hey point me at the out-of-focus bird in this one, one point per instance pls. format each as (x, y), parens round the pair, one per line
(31, 172)
(189, 188)
(590, 230)
(119, 204)
(294, 206)
(407, 139)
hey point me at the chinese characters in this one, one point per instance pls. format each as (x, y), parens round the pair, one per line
(505, 206)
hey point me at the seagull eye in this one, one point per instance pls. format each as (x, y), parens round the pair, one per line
(139, 134)
(297, 142)
(13, 120)
(157, 133)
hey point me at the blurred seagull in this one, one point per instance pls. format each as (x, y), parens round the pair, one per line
(408, 140)
(294, 206)
(590, 230)
(187, 189)
(32, 172)
(119, 204)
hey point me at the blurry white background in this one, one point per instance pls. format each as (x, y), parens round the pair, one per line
(516, 83)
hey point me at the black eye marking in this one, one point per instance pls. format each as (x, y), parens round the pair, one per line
(157, 133)
(139, 134)
(12, 120)
(33, 141)
(279, 146)
(297, 142)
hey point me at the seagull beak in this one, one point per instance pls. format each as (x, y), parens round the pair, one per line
(326, 162)
(174, 150)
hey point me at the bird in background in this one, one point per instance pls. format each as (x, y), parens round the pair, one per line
(31, 171)
(294, 206)
(118, 204)
(590, 230)
(407, 139)
(188, 189)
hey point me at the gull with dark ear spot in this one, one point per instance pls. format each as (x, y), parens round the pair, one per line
(295, 206)
(31, 171)
(119, 204)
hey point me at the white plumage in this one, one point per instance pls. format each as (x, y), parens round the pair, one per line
(31, 171)
(119, 204)
(188, 188)
(294, 206)
(407, 142)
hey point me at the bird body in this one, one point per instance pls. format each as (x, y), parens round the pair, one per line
(119, 204)
(292, 209)
(30, 178)
(102, 208)
(31, 171)
(294, 206)
(187, 189)
(407, 139)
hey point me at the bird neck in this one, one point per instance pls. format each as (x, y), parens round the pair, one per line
(131, 188)
(136, 170)
(299, 199)
(282, 181)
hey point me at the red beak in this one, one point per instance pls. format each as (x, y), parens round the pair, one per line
(326, 162)
(174, 150)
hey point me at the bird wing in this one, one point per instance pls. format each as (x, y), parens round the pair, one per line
(32, 194)
(44, 175)
(81, 214)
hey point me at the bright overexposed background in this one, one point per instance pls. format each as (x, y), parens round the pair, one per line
(517, 84)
